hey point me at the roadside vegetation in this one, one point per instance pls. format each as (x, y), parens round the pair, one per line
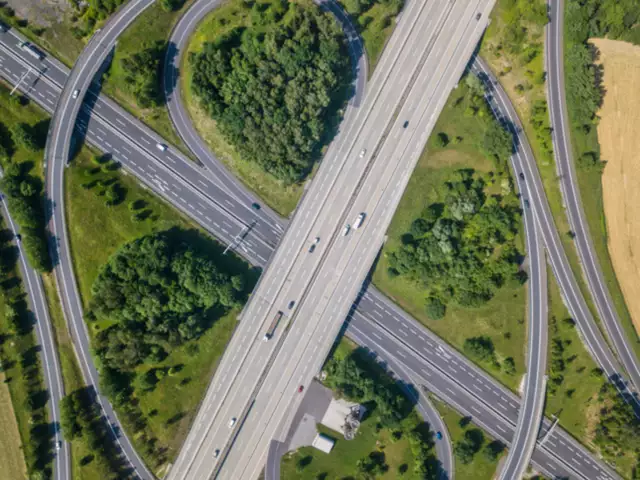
(476, 454)
(134, 78)
(392, 441)
(454, 245)
(155, 380)
(584, 93)
(292, 116)
(11, 457)
(23, 130)
(586, 403)
(20, 364)
(375, 21)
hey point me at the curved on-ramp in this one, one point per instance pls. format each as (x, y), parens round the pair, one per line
(57, 154)
(571, 193)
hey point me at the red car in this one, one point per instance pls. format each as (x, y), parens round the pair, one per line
(300, 388)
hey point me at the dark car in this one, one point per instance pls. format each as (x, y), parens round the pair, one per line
(255, 206)
(521, 176)
(526, 203)
(406, 124)
(478, 16)
(18, 237)
(291, 304)
(439, 435)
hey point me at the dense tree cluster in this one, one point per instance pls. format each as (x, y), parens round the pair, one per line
(24, 197)
(273, 87)
(91, 12)
(470, 444)
(158, 293)
(141, 74)
(461, 250)
(80, 416)
(618, 429)
(359, 379)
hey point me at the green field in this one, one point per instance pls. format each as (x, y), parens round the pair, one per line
(341, 462)
(503, 317)
(480, 468)
(153, 25)
(11, 457)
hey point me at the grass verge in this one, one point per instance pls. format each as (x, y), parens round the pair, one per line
(502, 319)
(480, 467)
(11, 457)
(153, 25)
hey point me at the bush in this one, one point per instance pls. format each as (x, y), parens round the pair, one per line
(480, 349)
(22, 134)
(435, 309)
(142, 71)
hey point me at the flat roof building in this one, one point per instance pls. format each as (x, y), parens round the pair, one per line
(323, 443)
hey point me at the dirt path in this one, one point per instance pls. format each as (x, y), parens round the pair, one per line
(619, 135)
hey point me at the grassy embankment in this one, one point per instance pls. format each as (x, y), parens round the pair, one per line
(343, 459)
(502, 319)
(11, 457)
(96, 231)
(154, 25)
(480, 468)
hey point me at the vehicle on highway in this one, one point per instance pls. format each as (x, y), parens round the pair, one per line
(359, 220)
(300, 388)
(526, 203)
(3, 27)
(406, 124)
(363, 152)
(291, 304)
(18, 237)
(255, 206)
(216, 453)
(346, 229)
(58, 445)
(273, 326)
(75, 94)
(478, 16)
(439, 435)
(31, 50)
(521, 175)
(161, 146)
(313, 245)
(232, 422)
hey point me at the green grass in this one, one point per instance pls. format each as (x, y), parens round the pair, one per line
(375, 26)
(96, 231)
(502, 318)
(341, 462)
(11, 457)
(575, 402)
(282, 198)
(480, 468)
(153, 25)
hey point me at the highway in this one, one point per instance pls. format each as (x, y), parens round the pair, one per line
(57, 155)
(365, 170)
(52, 373)
(48, 92)
(571, 194)
(534, 385)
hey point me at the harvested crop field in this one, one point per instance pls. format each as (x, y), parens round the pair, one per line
(11, 458)
(620, 143)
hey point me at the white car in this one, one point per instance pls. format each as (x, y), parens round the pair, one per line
(75, 93)
(363, 152)
(359, 221)
(58, 445)
(347, 227)
(232, 422)
(161, 146)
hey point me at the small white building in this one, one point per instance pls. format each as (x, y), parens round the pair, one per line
(323, 443)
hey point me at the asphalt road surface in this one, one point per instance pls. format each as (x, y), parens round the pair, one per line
(50, 365)
(57, 155)
(571, 194)
(365, 170)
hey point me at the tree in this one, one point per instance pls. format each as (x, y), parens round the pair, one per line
(498, 144)
(23, 136)
(479, 349)
(435, 308)
(493, 450)
(171, 5)
(71, 429)
(273, 90)
(142, 70)
(442, 140)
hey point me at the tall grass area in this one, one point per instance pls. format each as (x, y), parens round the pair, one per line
(380, 449)
(160, 419)
(151, 29)
(575, 382)
(481, 466)
(501, 319)
(11, 457)
(584, 134)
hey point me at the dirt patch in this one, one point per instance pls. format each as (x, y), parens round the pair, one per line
(620, 144)
(40, 12)
(11, 457)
